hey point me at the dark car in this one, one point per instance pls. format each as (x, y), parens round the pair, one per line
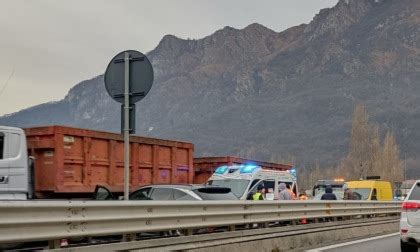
(171, 192)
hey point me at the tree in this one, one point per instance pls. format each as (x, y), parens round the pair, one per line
(391, 163)
(368, 155)
(359, 159)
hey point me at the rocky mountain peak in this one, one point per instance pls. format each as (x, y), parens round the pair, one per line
(337, 19)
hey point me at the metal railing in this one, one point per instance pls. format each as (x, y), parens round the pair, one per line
(22, 221)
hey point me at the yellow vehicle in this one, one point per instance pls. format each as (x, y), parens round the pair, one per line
(371, 189)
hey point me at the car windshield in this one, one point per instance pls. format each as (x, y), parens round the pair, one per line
(238, 186)
(361, 193)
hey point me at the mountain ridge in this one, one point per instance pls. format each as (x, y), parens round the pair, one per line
(264, 94)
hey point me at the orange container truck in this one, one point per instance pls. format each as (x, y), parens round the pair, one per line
(70, 162)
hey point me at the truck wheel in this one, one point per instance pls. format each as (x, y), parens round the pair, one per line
(406, 247)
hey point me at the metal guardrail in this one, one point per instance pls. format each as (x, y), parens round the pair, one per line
(22, 221)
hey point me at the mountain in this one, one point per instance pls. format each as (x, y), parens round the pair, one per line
(267, 95)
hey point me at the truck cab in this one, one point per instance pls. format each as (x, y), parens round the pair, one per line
(244, 180)
(14, 172)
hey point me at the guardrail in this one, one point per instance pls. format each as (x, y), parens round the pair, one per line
(22, 221)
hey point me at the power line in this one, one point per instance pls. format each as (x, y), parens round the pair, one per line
(7, 81)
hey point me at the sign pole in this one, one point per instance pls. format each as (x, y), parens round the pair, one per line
(126, 125)
(128, 78)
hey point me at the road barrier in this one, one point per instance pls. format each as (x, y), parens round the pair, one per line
(22, 221)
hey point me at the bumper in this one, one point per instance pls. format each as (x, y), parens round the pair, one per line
(409, 233)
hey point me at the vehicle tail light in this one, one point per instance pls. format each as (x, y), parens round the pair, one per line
(410, 206)
(404, 231)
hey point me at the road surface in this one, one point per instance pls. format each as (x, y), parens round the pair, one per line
(385, 243)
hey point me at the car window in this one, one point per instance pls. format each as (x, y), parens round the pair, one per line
(141, 194)
(13, 145)
(162, 194)
(415, 193)
(238, 186)
(102, 193)
(180, 195)
(361, 193)
(255, 181)
(216, 196)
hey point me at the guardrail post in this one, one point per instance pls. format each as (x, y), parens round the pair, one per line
(232, 228)
(54, 244)
(189, 232)
(129, 237)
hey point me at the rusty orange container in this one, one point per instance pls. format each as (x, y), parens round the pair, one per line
(204, 167)
(73, 161)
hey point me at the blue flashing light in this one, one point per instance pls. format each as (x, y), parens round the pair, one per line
(293, 171)
(249, 168)
(221, 169)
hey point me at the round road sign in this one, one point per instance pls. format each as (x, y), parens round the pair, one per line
(140, 76)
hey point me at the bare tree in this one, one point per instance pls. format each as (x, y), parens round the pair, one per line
(392, 166)
(359, 158)
(368, 155)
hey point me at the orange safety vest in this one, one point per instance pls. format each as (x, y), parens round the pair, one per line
(292, 194)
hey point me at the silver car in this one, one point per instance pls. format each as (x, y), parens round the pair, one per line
(410, 220)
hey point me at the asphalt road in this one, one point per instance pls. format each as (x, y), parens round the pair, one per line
(387, 243)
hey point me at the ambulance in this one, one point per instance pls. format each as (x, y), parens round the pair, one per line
(244, 180)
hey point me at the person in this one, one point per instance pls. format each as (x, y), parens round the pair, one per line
(292, 194)
(374, 195)
(328, 195)
(284, 193)
(302, 195)
(348, 193)
(258, 195)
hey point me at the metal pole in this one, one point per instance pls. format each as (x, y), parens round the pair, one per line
(126, 125)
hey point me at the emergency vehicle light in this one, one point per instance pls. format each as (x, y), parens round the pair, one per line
(249, 168)
(221, 169)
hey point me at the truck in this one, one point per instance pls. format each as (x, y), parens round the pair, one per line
(58, 162)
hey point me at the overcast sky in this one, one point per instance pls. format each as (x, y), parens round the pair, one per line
(48, 46)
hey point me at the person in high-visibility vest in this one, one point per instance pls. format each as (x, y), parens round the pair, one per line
(259, 194)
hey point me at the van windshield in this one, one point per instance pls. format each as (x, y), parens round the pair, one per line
(238, 186)
(361, 193)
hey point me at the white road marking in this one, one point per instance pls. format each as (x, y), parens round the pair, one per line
(352, 242)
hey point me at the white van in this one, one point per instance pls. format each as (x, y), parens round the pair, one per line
(244, 180)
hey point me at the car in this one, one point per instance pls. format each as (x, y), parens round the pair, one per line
(171, 192)
(410, 220)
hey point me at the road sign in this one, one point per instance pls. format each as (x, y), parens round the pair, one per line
(140, 75)
(128, 79)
